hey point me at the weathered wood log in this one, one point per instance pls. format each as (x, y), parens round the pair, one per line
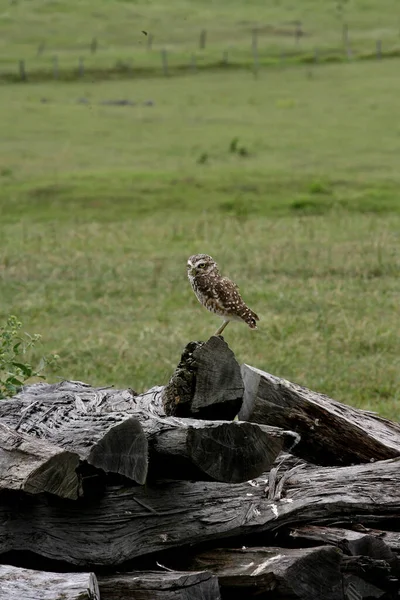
(307, 573)
(310, 574)
(126, 523)
(157, 585)
(391, 538)
(65, 414)
(370, 542)
(35, 466)
(380, 565)
(16, 584)
(207, 383)
(369, 577)
(72, 414)
(331, 433)
(231, 451)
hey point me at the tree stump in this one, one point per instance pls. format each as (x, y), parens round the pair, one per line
(207, 383)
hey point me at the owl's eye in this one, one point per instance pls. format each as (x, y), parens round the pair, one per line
(201, 265)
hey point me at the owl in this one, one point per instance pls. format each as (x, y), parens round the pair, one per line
(218, 294)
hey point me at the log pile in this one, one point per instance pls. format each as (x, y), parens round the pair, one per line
(110, 494)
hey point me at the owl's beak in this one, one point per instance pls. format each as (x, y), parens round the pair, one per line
(192, 271)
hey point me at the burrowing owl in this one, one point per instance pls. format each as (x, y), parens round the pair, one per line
(218, 294)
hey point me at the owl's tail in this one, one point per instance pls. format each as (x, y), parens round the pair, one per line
(249, 317)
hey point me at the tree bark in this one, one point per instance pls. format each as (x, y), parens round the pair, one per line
(331, 433)
(26, 584)
(130, 522)
(120, 433)
(35, 466)
(207, 383)
(157, 585)
(306, 573)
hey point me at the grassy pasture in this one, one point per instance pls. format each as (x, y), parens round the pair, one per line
(101, 205)
(35, 32)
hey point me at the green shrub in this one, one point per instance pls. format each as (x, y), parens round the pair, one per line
(14, 347)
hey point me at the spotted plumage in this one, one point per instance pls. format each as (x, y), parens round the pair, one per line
(218, 294)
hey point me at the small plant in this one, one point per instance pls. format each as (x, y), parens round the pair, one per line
(203, 158)
(234, 148)
(243, 151)
(318, 187)
(14, 346)
(233, 145)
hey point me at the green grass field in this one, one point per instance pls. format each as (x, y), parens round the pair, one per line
(101, 205)
(36, 32)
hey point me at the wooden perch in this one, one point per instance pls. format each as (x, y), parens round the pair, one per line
(136, 430)
(160, 585)
(34, 466)
(209, 478)
(135, 521)
(26, 584)
(331, 433)
(206, 384)
(306, 573)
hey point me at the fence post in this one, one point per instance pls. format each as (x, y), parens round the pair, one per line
(93, 45)
(22, 72)
(298, 32)
(346, 41)
(41, 48)
(202, 39)
(345, 34)
(254, 47)
(81, 67)
(164, 60)
(55, 67)
(379, 49)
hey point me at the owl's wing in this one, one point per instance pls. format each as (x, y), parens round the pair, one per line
(226, 292)
(227, 282)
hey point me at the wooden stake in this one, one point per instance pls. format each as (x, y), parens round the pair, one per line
(164, 60)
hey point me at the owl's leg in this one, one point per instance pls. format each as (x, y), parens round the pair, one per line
(220, 329)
